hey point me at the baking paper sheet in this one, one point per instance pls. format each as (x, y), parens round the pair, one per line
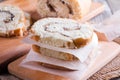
(72, 65)
(32, 62)
(81, 53)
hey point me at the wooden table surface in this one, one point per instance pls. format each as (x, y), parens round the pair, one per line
(111, 6)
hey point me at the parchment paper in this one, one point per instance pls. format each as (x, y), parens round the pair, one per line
(72, 65)
(81, 53)
(32, 59)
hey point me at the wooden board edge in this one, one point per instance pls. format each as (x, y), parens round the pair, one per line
(57, 77)
(95, 10)
(117, 51)
(6, 58)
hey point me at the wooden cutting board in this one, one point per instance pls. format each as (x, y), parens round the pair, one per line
(30, 7)
(109, 51)
(11, 49)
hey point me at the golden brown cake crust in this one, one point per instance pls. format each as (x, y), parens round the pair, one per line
(12, 33)
(18, 24)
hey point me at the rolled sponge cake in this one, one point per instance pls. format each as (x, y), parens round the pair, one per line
(12, 21)
(63, 33)
(67, 56)
(54, 54)
(74, 9)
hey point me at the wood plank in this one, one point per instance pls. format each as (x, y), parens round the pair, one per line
(11, 49)
(104, 15)
(114, 5)
(109, 51)
(95, 9)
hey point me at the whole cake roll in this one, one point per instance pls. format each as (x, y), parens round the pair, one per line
(61, 33)
(74, 9)
(12, 21)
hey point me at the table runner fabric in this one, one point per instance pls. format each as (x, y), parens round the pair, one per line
(111, 70)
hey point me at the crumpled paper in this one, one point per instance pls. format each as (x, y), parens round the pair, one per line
(110, 28)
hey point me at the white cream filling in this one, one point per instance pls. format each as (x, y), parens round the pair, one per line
(58, 26)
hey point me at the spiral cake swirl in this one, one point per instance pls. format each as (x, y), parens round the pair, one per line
(64, 33)
(12, 21)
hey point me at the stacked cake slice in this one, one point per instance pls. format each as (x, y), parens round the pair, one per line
(63, 39)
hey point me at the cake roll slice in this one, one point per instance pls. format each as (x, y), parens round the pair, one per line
(62, 33)
(54, 54)
(12, 21)
(74, 9)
